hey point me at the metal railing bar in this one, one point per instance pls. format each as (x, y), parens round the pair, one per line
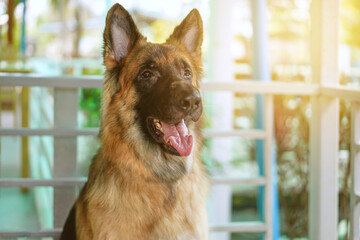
(48, 132)
(80, 181)
(258, 87)
(55, 233)
(55, 182)
(239, 227)
(250, 134)
(343, 92)
(35, 80)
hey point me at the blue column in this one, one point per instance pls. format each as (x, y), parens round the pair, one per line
(261, 72)
(23, 31)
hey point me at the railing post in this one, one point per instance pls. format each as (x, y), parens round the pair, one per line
(65, 151)
(25, 93)
(220, 68)
(268, 167)
(355, 173)
(268, 206)
(324, 125)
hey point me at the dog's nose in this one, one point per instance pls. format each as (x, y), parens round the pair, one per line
(189, 101)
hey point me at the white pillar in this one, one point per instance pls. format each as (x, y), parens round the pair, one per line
(260, 58)
(324, 126)
(65, 149)
(269, 170)
(221, 69)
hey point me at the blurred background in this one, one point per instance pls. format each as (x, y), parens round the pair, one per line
(64, 37)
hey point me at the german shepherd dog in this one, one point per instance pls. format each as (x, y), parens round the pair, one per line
(146, 180)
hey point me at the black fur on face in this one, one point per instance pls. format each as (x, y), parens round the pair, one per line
(164, 82)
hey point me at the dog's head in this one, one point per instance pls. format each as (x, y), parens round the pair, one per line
(155, 85)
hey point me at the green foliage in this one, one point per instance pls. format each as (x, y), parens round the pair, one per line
(292, 138)
(244, 209)
(90, 105)
(90, 99)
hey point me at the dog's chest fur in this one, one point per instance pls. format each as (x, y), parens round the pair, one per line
(123, 208)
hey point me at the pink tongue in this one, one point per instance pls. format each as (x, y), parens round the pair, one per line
(178, 136)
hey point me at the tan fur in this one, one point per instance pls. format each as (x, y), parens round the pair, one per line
(128, 194)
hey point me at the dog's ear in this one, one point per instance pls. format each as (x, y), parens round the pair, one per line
(120, 36)
(189, 33)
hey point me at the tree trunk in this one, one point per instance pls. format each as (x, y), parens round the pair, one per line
(11, 8)
(78, 32)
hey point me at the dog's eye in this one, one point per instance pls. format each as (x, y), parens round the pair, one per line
(146, 74)
(187, 73)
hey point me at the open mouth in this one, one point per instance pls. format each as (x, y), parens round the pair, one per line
(173, 137)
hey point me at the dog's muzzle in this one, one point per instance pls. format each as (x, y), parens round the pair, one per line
(186, 99)
(170, 128)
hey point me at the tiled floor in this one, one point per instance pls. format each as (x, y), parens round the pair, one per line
(17, 209)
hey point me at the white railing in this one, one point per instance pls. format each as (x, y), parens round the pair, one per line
(65, 130)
